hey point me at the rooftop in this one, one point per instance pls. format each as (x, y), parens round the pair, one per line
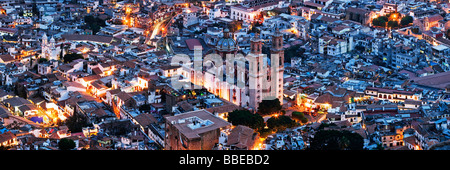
(439, 80)
(192, 124)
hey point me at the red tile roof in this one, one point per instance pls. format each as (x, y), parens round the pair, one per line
(191, 43)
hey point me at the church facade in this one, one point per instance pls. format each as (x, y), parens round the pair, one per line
(242, 80)
(49, 49)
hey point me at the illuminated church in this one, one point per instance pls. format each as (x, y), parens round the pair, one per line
(49, 49)
(250, 81)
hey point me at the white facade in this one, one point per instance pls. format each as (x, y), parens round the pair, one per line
(260, 83)
(49, 51)
(214, 13)
(243, 13)
(190, 18)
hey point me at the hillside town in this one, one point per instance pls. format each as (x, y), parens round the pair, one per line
(157, 75)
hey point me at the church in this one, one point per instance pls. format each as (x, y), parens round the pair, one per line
(246, 80)
(49, 49)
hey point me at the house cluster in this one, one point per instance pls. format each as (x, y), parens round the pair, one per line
(344, 69)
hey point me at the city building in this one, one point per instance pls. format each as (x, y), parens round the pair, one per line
(195, 130)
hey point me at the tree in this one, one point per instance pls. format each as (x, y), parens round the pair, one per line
(299, 116)
(293, 51)
(94, 23)
(145, 107)
(20, 90)
(380, 21)
(416, 30)
(179, 25)
(406, 20)
(267, 107)
(66, 144)
(246, 118)
(280, 123)
(118, 128)
(392, 24)
(61, 53)
(337, 140)
(41, 60)
(35, 10)
(447, 33)
(263, 133)
(323, 125)
(76, 122)
(70, 57)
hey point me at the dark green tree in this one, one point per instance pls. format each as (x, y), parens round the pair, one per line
(41, 60)
(447, 33)
(323, 125)
(280, 123)
(20, 90)
(70, 57)
(145, 107)
(94, 23)
(35, 10)
(179, 25)
(416, 30)
(299, 116)
(380, 21)
(267, 107)
(336, 140)
(76, 122)
(392, 24)
(406, 20)
(293, 51)
(66, 144)
(263, 133)
(246, 118)
(62, 51)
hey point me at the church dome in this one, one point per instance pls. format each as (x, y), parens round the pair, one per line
(226, 44)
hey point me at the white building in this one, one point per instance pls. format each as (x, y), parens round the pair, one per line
(190, 16)
(239, 12)
(49, 50)
(259, 81)
(214, 13)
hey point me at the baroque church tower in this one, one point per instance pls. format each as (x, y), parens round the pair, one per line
(249, 79)
(49, 50)
(278, 61)
(266, 72)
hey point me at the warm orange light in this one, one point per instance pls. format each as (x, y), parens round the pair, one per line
(307, 105)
